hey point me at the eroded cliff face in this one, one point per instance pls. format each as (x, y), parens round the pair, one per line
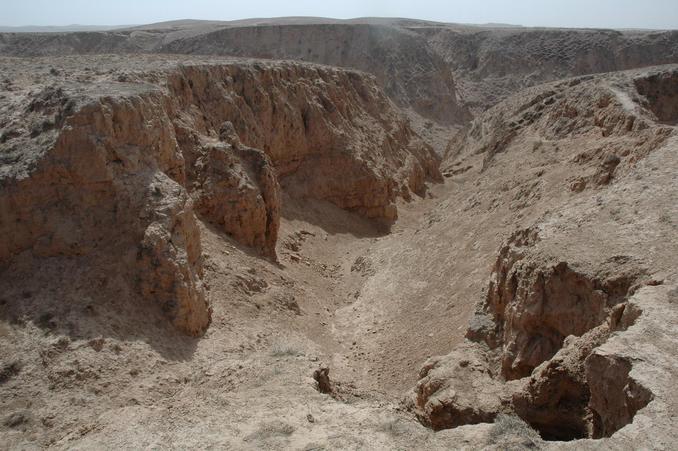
(108, 179)
(535, 345)
(234, 186)
(404, 65)
(535, 305)
(489, 65)
(531, 346)
(122, 168)
(660, 92)
(330, 134)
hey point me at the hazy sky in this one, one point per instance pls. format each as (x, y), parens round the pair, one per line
(566, 13)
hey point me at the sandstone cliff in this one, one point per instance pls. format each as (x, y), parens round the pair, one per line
(330, 134)
(105, 178)
(118, 168)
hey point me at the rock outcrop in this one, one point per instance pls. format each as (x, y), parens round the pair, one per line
(118, 168)
(534, 305)
(330, 134)
(531, 352)
(237, 189)
(556, 399)
(459, 388)
(616, 396)
(106, 178)
(169, 260)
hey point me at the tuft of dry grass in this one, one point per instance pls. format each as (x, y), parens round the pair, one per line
(286, 346)
(284, 349)
(271, 429)
(511, 432)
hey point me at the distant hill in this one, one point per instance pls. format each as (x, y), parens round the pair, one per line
(442, 72)
(59, 29)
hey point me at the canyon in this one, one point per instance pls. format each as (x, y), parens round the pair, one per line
(309, 233)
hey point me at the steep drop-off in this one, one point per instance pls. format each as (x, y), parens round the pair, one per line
(405, 67)
(491, 64)
(565, 286)
(446, 73)
(117, 169)
(253, 204)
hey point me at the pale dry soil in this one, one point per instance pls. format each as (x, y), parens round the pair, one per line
(88, 366)
(342, 295)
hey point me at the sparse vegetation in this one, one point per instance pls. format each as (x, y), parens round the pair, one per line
(270, 430)
(285, 348)
(536, 144)
(393, 426)
(193, 244)
(510, 432)
(9, 370)
(665, 218)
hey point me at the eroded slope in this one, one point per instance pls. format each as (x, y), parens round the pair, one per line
(571, 281)
(149, 152)
(141, 178)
